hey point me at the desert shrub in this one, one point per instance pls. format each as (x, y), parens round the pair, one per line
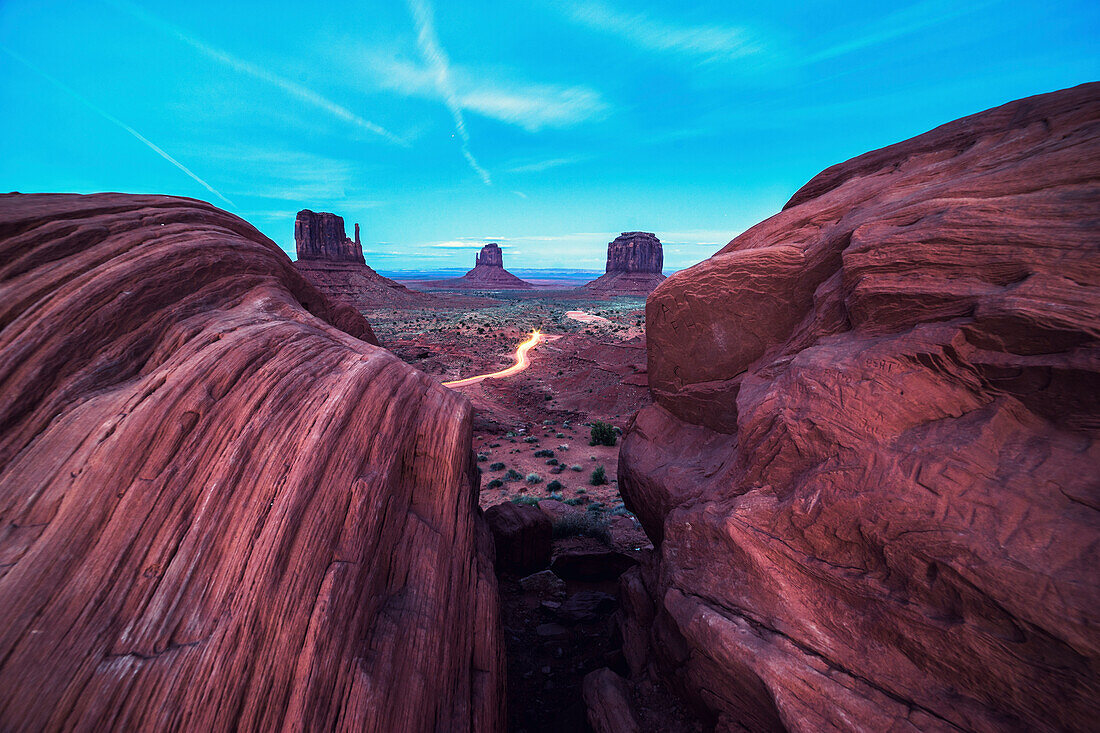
(603, 434)
(574, 501)
(533, 478)
(530, 500)
(582, 491)
(598, 477)
(498, 466)
(554, 485)
(555, 496)
(482, 457)
(544, 453)
(578, 469)
(597, 506)
(587, 524)
(494, 445)
(557, 469)
(620, 510)
(513, 475)
(509, 434)
(530, 439)
(563, 446)
(496, 483)
(547, 422)
(559, 435)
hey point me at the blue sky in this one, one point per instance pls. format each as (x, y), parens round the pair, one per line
(546, 125)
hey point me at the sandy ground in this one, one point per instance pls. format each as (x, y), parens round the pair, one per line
(585, 370)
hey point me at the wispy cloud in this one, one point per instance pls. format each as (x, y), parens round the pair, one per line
(438, 63)
(293, 88)
(895, 25)
(469, 243)
(537, 166)
(710, 42)
(114, 120)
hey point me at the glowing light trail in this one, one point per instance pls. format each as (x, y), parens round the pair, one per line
(521, 363)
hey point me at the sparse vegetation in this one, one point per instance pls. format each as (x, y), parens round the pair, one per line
(533, 478)
(498, 466)
(482, 457)
(554, 485)
(530, 439)
(526, 500)
(588, 524)
(598, 477)
(544, 453)
(603, 434)
(513, 475)
(578, 469)
(495, 484)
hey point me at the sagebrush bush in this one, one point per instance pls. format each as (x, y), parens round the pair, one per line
(498, 466)
(513, 475)
(603, 434)
(533, 478)
(496, 483)
(530, 500)
(588, 524)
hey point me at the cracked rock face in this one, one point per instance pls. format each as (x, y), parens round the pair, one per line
(872, 463)
(220, 508)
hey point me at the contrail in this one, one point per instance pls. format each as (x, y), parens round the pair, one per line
(292, 88)
(111, 118)
(437, 60)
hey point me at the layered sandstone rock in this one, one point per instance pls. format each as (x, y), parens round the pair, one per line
(335, 265)
(872, 463)
(634, 264)
(220, 508)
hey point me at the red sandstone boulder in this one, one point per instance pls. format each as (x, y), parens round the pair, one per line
(634, 264)
(607, 699)
(523, 535)
(872, 463)
(219, 510)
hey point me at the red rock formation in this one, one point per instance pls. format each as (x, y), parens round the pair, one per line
(489, 256)
(217, 509)
(488, 274)
(872, 463)
(634, 264)
(334, 264)
(320, 236)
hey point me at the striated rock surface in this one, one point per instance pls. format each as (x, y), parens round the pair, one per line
(872, 463)
(335, 265)
(219, 509)
(634, 264)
